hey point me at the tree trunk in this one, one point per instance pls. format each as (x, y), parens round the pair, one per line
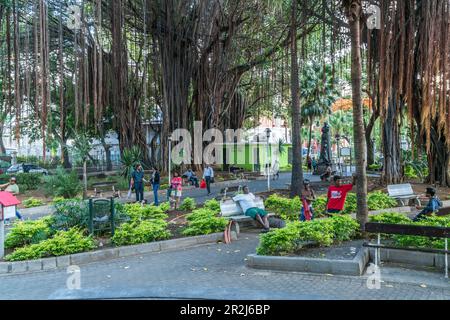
(297, 166)
(310, 138)
(353, 10)
(85, 180)
(65, 155)
(2, 145)
(392, 173)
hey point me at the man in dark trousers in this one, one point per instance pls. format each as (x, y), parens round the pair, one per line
(137, 180)
(208, 175)
(156, 182)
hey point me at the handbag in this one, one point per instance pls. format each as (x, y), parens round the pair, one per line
(203, 184)
(213, 180)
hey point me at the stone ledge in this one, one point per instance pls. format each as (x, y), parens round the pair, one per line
(413, 258)
(108, 254)
(355, 267)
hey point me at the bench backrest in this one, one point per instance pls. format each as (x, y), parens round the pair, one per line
(229, 208)
(400, 190)
(408, 230)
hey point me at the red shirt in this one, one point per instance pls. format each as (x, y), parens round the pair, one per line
(337, 196)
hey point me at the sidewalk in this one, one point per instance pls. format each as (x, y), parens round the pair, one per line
(214, 271)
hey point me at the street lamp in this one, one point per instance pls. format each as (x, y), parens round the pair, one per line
(170, 158)
(268, 133)
(338, 140)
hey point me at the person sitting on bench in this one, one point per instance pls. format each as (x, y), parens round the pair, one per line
(191, 177)
(327, 175)
(247, 203)
(434, 204)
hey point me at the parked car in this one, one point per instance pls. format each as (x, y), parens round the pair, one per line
(26, 168)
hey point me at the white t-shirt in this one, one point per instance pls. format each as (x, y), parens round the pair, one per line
(246, 201)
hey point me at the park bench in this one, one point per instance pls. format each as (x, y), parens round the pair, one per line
(224, 193)
(403, 193)
(407, 230)
(233, 212)
(100, 188)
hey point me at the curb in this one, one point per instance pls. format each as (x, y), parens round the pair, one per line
(54, 263)
(355, 267)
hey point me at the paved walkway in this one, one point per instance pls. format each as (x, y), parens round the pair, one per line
(207, 272)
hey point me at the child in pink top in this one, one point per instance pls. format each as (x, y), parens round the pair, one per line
(176, 185)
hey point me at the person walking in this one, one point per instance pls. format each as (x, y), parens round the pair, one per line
(176, 185)
(138, 180)
(156, 182)
(208, 176)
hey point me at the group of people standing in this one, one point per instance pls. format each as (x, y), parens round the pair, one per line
(175, 190)
(337, 196)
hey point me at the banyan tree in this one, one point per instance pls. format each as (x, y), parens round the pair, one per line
(410, 59)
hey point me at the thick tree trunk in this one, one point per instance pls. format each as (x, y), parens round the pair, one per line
(353, 10)
(65, 155)
(2, 144)
(297, 166)
(369, 141)
(392, 173)
(439, 159)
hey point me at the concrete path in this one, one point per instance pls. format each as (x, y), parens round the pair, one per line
(209, 272)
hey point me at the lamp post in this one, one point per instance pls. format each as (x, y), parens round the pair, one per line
(338, 140)
(170, 158)
(268, 133)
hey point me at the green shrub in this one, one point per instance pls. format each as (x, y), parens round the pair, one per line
(390, 218)
(32, 203)
(137, 212)
(29, 181)
(4, 178)
(287, 209)
(320, 205)
(58, 200)
(203, 222)
(70, 213)
(379, 200)
(323, 232)
(280, 241)
(188, 204)
(424, 242)
(63, 184)
(212, 205)
(375, 167)
(413, 241)
(28, 232)
(63, 243)
(138, 232)
(345, 228)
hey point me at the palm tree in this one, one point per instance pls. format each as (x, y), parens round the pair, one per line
(353, 12)
(318, 94)
(82, 147)
(297, 163)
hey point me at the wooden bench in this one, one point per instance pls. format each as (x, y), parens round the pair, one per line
(233, 211)
(100, 188)
(403, 193)
(408, 230)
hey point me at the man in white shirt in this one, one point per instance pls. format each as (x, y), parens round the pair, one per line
(208, 176)
(248, 205)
